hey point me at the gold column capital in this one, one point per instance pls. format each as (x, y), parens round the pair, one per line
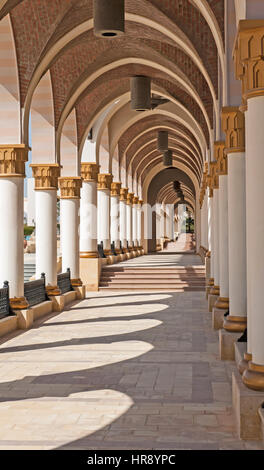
(141, 202)
(248, 57)
(135, 200)
(130, 197)
(214, 178)
(233, 124)
(123, 194)
(12, 160)
(70, 187)
(115, 188)
(221, 158)
(46, 175)
(89, 171)
(104, 181)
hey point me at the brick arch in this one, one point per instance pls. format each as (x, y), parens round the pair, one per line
(163, 74)
(150, 151)
(61, 16)
(151, 136)
(141, 126)
(155, 158)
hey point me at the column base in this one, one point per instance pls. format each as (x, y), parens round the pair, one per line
(18, 303)
(53, 291)
(243, 364)
(227, 342)
(240, 350)
(211, 301)
(246, 405)
(209, 285)
(76, 282)
(217, 318)
(235, 324)
(89, 254)
(222, 303)
(253, 377)
(215, 290)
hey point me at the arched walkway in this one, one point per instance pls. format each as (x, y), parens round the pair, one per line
(119, 370)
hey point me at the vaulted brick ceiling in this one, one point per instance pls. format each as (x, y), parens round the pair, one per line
(38, 25)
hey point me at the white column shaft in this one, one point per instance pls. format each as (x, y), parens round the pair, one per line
(134, 224)
(115, 233)
(129, 223)
(103, 226)
(223, 236)
(88, 217)
(69, 223)
(46, 235)
(139, 225)
(255, 226)
(12, 234)
(237, 235)
(123, 224)
(216, 237)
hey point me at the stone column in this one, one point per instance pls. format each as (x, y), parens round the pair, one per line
(139, 225)
(69, 226)
(234, 127)
(115, 226)
(46, 186)
(12, 173)
(249, 68)
(103, 222)
(123, 224)
(223, 300)
(88, 211)
(209, 255)
(215, 228)
(129, 221)
(135, 221)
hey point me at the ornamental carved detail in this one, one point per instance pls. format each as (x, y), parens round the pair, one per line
(70, 187)
(214, 178)
(123, 194)
(104, 181)
(89, 171)
(204, 184)
(12, 160)
(233, 124)
(135, 200)
(221, 158)
(115, 189)
(249, 57)
(46, 175)
(130, 197)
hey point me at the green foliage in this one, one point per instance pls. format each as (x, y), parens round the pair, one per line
(28, 230)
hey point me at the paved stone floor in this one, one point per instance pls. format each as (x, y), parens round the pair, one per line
(132, 371)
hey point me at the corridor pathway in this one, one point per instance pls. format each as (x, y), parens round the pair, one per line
(131, 370)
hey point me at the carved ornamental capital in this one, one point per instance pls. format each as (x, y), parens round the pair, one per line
(89, 171)
(233, 124)
(115, 189)
(249, 57)
(135, 200)
(70, 187)
(123, 194)
(46, 175)
(214, 178)
(130, 197)
(104, 181)
(12, 160)
(221, 158)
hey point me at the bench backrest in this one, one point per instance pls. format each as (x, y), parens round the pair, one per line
(64, 282)
(35, 291)
(4, 301)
